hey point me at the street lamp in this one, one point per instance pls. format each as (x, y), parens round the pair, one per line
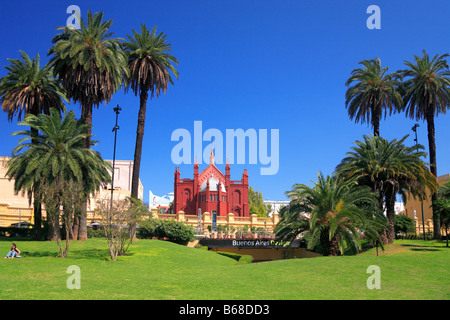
(116, 127)
(414, 128)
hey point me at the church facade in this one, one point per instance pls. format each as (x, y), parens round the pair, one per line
(210, 191)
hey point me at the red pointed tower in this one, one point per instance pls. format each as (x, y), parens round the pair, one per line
(211, 190)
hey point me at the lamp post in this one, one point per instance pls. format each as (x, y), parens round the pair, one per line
(116, 127)
(414, 128)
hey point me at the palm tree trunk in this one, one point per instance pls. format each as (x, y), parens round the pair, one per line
(376, 115)
(86, 116)
(138, 147)
(390, 214)
(37, 211)
(329, 247)
(433, 168)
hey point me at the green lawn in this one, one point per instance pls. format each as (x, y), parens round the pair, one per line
(163, 270)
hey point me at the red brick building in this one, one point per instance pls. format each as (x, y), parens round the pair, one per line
(211, 190)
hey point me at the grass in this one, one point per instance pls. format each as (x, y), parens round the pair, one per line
(166, 271)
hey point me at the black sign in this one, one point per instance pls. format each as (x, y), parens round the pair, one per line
(249, 243)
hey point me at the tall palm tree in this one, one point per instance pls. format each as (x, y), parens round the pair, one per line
(339, 210)
(426, 93)
(375, 91)
(29, 89)
(90, 63)
(389, 168)
(59, 156)
(150, 67)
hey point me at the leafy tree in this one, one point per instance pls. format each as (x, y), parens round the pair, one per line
(150, 68)
(90, 64)
(119, 220)
(426, 94)
(256, 203)
(442, 209)
(29, 89)
(375, 91)
(403, 224)
(388, 168)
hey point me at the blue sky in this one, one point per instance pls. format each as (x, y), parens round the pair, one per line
(248, 64)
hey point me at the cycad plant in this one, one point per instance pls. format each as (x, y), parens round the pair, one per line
(339, 212)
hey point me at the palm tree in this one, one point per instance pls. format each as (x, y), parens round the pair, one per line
(150, 65)
(426, 93)
(388, 168)
(57, 158)
(339, 210)
(375, 91)
(30, 89)
(90, 64)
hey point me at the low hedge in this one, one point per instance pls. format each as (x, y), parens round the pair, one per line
(168, 229)
(240, 258)
(15, 231)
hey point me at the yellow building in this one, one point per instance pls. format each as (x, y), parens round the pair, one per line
(15, 207)
(413, 209)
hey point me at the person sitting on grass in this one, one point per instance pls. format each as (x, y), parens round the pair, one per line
(14, 252)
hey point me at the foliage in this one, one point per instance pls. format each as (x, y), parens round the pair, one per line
(256, 203)
(56, 166)
(240, 258)
(426, 94)
(403, 224)
(28, 88)
(375, 91)
(388, 168)
(169, 229)
(88, 61)
(119, 219)
(338, 211)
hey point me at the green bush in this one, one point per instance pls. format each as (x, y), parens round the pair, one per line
(240, 258)
(403, 224)
(15, 231)
(91, 233)
(166, 229)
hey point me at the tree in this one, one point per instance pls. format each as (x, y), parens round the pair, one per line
(256, 203)
(338, 211)
(375, 91)
(30, 89)
(403, 224)
(119, 222)
(56, 158)
(89, 63)
(388, 168)
(150, 70)
(426, 94)
(442, 207)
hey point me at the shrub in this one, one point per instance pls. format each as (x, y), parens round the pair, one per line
(403, 224)
(240, 258)
(91, 233)
(170, 229)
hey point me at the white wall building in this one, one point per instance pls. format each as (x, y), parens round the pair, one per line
(276, 205)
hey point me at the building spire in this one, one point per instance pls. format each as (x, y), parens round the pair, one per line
(211, 157)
